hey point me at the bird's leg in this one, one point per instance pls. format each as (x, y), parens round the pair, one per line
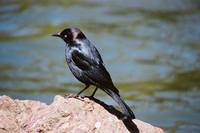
(83, 89)
(94, 92)
(76, 95)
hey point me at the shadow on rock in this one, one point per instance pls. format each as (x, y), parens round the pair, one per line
(130, 125)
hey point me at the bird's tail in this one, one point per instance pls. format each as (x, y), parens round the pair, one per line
(123, 106)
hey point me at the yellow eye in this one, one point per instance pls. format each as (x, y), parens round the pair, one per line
(65, 36)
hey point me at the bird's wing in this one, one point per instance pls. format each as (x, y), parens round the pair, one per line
(81, 61)
(94, 50)
(93, 69)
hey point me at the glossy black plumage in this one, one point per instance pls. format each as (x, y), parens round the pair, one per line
(87, 66)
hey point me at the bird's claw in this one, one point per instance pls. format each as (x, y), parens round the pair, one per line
(73, 96)
(90, 97)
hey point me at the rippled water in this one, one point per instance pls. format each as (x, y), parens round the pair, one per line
(151, 49)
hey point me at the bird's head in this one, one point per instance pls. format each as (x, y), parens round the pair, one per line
(70, 35)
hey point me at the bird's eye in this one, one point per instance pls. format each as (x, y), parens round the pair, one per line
(65, 36)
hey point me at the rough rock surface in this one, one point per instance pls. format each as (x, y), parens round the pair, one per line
(66, 115)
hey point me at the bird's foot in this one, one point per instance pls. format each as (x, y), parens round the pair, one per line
(73, 96)
(90, 97)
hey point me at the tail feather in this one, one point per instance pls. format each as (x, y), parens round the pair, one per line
(123, 106)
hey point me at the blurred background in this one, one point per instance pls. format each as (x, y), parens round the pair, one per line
(150, 47)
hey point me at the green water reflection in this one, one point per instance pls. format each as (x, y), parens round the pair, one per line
(151, 49)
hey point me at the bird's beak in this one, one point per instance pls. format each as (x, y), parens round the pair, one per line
(57, 34)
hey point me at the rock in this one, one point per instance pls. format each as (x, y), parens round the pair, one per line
(66, 115)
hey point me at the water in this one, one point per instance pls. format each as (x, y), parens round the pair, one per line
(151, 49)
